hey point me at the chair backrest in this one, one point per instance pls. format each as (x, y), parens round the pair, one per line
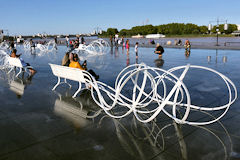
(74, 74)
(15, 62)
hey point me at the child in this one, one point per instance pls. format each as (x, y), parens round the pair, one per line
(136, 49)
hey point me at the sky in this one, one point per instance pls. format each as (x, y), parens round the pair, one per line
(27, 17)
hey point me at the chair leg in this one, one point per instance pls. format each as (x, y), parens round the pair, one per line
(79, 89)
(56, 84)
(65, 80)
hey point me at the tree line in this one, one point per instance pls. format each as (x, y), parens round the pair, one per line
(169, 29)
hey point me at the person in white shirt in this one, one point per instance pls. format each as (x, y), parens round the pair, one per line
(136, 49)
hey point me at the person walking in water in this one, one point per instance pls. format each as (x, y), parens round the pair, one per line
(55, 45)
(127, 46)
(67, 41)
(136, 49)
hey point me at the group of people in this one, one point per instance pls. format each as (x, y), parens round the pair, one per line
(72, 60)
(117, 41)
(72, 44)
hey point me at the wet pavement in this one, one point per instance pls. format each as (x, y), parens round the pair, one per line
(38, 123)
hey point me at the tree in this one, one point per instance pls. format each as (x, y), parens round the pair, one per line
(203, 29)
(112, 31)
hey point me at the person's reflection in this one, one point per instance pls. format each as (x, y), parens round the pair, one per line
(136, 60)
(209, 59)
(128, 60)
(111, 50)
(187, 53)
(224, 59)
(116, 52)
(159, 62)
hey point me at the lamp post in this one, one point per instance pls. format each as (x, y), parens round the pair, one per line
(217, 27)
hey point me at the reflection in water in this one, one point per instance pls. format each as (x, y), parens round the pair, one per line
(224, 59)
(116, 52)
(76, 110)
(209, 59)
(159, 62)
(17, 84)
(168, 140)
(187, 53)
(111, 50)
(136, 60)
(128, 60)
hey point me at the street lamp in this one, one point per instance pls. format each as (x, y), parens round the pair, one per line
(217, 27)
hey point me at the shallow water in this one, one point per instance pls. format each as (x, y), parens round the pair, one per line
(39, 123)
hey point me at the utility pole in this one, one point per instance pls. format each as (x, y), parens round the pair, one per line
(217, 27)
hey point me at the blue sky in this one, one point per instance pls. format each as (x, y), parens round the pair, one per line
(82, 16)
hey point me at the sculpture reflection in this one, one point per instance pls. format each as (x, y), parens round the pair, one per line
(168, 140)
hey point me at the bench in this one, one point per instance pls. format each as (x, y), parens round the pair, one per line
(15, 62)
(74, 74)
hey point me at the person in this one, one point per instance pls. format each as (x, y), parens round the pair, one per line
(67, 41)
(187, 45)
(65, 60)
(179, 42)
(12, 47)
(122, 40)
(136, 49)
(175, 42)
(71, 45)
(55, 45)
(152, 42)
(76, 44)
(32, 44)
(116, 40)
(29, 67)
(127, 45)
(159, 50)
(74, 63)
(82, 40)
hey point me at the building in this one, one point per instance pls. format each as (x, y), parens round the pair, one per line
(238, 26)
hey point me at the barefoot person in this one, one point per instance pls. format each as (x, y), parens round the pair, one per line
(159, 50)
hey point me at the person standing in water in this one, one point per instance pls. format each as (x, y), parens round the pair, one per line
(127, 46)
(136, 49)
(55, 45)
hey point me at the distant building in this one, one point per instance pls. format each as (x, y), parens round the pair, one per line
(238, 25)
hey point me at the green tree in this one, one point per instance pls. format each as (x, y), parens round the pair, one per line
(112, 31)
(203, 29)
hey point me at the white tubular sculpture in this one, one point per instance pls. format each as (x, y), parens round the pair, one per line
(152, 95)
(49, 47)
(4, 60)
(4, 45)
(26, 45)
(96, 47)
